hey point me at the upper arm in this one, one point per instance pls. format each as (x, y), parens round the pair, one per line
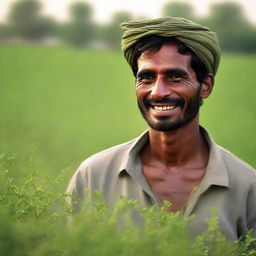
(76, 188)
(251, 208)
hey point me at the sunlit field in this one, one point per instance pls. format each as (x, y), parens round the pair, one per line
(60, 105)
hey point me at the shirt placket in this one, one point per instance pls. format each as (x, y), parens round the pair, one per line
(138, 176)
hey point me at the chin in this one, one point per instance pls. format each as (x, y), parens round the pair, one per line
(166, 127)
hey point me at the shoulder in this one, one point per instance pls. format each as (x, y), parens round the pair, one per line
(105, 161)
(99, 166)
(237, 168)
(115, 153)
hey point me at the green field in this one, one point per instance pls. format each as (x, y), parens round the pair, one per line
(59, 105)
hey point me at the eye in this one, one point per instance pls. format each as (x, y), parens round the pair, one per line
(145, 78)
(174, 78)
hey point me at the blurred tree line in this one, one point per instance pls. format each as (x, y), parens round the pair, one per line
(234, 31)
(27, 24)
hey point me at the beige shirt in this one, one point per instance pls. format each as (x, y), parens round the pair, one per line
(229, 185)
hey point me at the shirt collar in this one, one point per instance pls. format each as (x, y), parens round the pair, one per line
(131, 156)
(216, 171)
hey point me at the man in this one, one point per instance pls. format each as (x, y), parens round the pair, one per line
(174, 61)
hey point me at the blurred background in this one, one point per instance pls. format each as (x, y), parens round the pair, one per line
(67, 92)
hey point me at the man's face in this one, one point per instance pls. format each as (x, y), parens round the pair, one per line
(167, 89)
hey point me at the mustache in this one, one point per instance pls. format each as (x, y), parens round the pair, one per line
(170, 101)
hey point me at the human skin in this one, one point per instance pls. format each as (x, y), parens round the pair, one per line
(168, 94)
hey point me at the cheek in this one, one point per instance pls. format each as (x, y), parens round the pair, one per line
(141, 93)
(187, 89)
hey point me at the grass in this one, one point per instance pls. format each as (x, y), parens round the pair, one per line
(33, 222)
(60, 105)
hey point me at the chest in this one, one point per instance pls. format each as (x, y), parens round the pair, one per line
(174, 186)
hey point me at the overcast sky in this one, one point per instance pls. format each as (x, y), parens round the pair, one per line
(103, 9)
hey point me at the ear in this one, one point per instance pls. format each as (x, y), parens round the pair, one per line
(207, 86)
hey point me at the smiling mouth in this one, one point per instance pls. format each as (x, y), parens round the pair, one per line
(166, 104)
(164, 108)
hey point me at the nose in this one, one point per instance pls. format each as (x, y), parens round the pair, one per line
(160, 89)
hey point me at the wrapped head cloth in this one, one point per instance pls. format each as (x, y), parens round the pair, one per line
(201, 40)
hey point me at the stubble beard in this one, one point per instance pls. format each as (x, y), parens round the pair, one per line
(164, 125)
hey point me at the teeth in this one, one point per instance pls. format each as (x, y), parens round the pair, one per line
(164, 107)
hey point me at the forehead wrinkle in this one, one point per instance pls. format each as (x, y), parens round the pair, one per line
(163, 63)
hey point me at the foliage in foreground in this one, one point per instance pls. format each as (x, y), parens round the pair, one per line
(33, 221)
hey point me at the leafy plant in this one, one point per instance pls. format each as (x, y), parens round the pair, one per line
(34, 221)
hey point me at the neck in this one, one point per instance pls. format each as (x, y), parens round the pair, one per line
(181, 148)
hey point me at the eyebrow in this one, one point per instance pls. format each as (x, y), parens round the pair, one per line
(172, 71)
(145, 72)
(177, 71)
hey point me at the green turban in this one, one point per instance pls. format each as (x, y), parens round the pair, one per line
(201, 40)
